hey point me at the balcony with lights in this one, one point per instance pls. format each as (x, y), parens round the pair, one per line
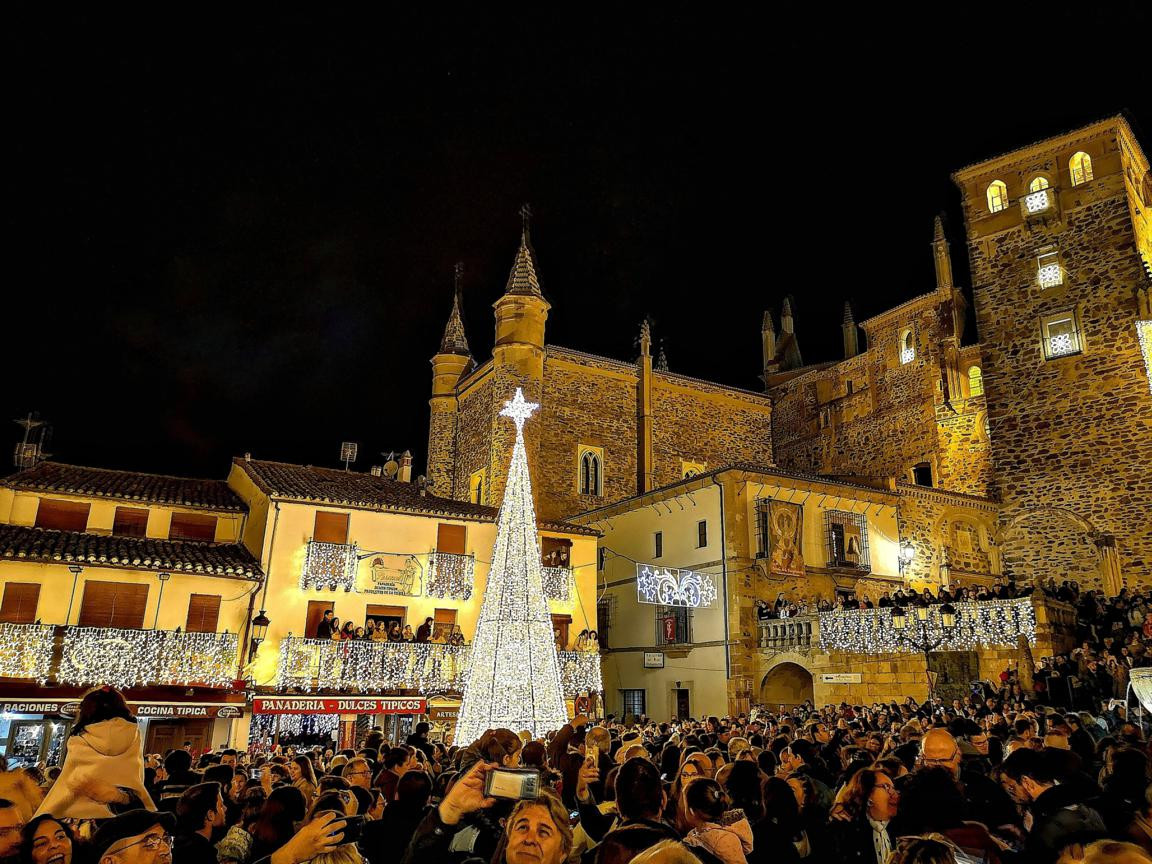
(330, 565)
(557, 583)
(1040, 204)
(427, 668)
(89, 656)
(451, 575)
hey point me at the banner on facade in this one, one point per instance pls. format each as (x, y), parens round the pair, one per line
(322, 705)
(785, 538)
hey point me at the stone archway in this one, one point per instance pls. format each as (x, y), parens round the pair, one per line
(1050, 542)
(788, 684)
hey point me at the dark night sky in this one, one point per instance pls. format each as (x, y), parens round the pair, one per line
(239, 235)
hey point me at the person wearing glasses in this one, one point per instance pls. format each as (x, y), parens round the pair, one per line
(358, 773)
(858, 826)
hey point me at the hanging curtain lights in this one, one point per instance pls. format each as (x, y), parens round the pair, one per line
(26, 651)
(127, 658)
(451, 575)
(330, 565)
(557, 583)
(980, 624)
(265, 726)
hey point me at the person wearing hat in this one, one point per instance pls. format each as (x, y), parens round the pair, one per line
(135, 837)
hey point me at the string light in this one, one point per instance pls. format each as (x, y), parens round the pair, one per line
(330, 565)
(556, 582)
(513, 679)
(267, 725)
(981, 624)
(127, 658)
(451, 575)
(666, 586)
(1144, 336)
(26, 651)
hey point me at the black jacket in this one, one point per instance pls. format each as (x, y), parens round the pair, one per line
(851, 842)
(192, 849)
(1060, 818)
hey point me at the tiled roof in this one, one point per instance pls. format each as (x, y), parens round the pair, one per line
(20, 543)
(366, 491)
(125, 486)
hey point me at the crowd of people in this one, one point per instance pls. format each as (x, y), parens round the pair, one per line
(786, 607)
(330, 627)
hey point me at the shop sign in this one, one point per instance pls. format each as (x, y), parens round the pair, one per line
(839, 677)
(140, 709)
(655, 659)
(319, 705)
(452, 713)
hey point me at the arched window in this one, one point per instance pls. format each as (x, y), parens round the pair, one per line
(975, 381)
(590, 473)
(1080, 167)
(907, 346)
(997, 196)
(1038, 184)
(477, 487)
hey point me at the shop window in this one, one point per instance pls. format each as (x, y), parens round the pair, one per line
(20, 602)
(203, 613)
(997, 196)
(195, 527)
(130, 522)
(1080, 168)
(330, 527)
(62, 515)
(113, 604)
(1061, 335)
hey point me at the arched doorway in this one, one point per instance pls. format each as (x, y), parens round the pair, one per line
(1045, 543)
(787, 684)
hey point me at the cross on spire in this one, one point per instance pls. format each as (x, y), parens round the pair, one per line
(519, 409)
(525, 220)
(458, 276)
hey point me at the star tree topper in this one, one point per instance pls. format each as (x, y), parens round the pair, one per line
(519, 409)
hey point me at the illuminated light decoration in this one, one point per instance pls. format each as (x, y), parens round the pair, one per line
(1144, 335)
(580, 672)
(330, 565)
(265, 726)
(127, 658)
(1037, 202)
(907, 355)
(513, 678)
(982, 624)
(666, 586)
(1049, 275)
(451, 575)
(26, 651)
(557, 583)
(1060, 344)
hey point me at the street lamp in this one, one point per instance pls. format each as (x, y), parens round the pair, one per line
(906, 555)
(921, 636)
(259, 631)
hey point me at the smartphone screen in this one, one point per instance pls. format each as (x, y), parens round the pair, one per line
(512, 783)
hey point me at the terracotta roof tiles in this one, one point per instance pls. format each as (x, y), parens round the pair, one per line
(125, 486)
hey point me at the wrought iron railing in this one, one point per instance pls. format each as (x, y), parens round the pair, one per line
(451, 575)
(115, 656)
(330, 565)
(426, 667)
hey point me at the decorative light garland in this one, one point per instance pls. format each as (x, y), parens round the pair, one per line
(980, 624)
(26, 651)
(330, 565)
(265, 726)
(513, 679)
(666, 586)
(451, 575)
(127, 658)
(557, 583)
(1144, 336)
(427, 667)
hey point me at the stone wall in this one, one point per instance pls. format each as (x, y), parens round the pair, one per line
(948, 528)
(474, 431)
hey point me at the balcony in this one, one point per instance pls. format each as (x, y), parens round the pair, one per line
(450, 575)
(788, 634)
(1039, 204)
(557, 583)
(89, 656)
(428, 668)
(330, 565)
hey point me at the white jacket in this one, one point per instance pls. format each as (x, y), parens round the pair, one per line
(109, 752)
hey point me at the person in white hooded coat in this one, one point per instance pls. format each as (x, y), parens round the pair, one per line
(104, 766)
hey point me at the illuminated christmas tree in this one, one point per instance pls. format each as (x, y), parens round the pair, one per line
(514, 677)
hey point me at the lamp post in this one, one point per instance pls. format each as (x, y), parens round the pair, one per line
(259, 631)
(906, 555)
(920, 635)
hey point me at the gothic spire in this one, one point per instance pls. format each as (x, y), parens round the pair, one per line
(662, 359)
(454, 341)
(522, 279)
(848, 317)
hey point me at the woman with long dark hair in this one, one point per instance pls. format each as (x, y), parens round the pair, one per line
(276, 824)
(103, 772)
(46, 839)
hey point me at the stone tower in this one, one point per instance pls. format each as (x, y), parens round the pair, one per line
(449, 364)
(1060, 242)
(518, 357)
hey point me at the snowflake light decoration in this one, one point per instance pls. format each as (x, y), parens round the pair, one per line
(666, 586)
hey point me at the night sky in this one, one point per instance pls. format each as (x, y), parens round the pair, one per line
(233, 235)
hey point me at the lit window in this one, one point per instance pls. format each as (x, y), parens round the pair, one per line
(1048, 270)
(1080, 168)
(591, 471)
(1061, 335)
(997, 196)
(478, 487)
(1037, 200)
(975, 381)
(907, 347)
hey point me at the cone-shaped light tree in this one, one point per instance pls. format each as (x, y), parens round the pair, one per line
(514, 675)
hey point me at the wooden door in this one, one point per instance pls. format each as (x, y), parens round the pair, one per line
(165, 735)
(316, 610)
(560, 625)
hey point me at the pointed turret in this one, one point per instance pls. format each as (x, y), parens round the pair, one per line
(455, 341)
(523, 279)
(768, 341)
(787, 347)
(942, 256)
(662, 359)
(645, 338)
(851, 334)
(786, 323)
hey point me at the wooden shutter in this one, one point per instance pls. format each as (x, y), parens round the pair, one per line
(443, 622)
(20, 600)
(62, 515)
(203, 613)
(193, 526)
(113, 604)
(330, 527)
(451, 539)
(130, 522)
